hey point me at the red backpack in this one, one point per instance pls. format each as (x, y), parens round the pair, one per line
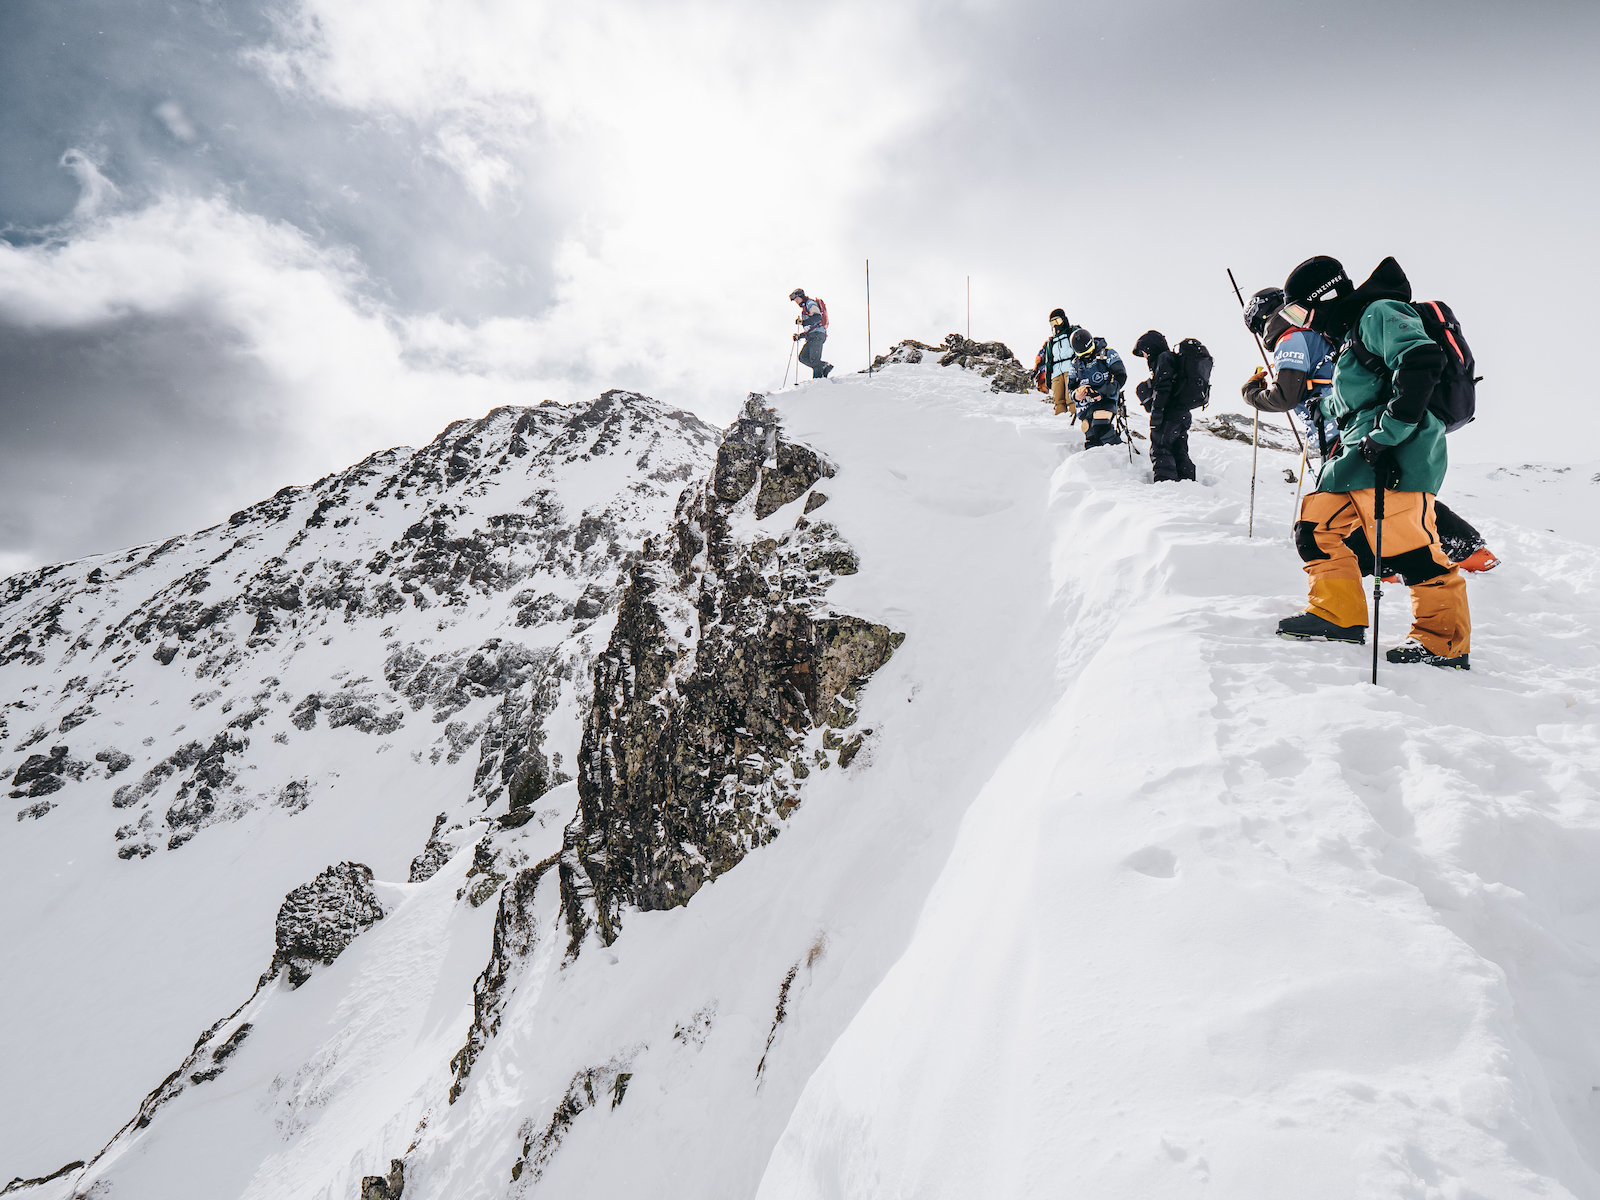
(821, 305)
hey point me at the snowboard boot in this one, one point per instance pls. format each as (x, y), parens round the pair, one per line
(1479, 560)
(1310, 627)
(827, 369)
(1413, 651)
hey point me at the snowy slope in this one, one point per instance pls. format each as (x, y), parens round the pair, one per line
(1123, 896)
(316, 680)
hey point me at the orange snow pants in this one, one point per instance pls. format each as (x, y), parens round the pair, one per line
(1329, 538)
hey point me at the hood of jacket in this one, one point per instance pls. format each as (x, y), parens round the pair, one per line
(1387, 282)
(1151, 346)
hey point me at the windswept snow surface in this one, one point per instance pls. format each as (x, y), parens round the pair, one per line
(1224, 917)
(1124, 898)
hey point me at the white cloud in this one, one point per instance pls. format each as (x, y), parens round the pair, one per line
(707, 157)
(95, 191)
(177, 123)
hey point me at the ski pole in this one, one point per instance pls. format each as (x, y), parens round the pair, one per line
(1255, 433)
(1382, 469)
(1255, 446)
(786, 363)
(1299, 483)
(1260, 345)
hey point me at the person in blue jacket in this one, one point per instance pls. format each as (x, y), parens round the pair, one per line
(1095, 376)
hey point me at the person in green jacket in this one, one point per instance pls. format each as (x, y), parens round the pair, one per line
(1387, 437)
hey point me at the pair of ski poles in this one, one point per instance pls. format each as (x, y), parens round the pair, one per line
(791, 359)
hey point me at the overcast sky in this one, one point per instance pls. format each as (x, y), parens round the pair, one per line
(244, 244)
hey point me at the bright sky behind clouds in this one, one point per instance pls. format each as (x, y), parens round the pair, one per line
(245, 244)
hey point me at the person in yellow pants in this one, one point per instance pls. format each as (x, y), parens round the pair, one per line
(1331, 528)
(1383, 383)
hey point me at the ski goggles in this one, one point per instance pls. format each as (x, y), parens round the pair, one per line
(1297, 314)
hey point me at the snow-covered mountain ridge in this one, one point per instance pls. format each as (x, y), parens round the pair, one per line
(414, 634)
(1119, 895)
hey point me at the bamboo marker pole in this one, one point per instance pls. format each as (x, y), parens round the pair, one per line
(869, 317)
(1255, 429)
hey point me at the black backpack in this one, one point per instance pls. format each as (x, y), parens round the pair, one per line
(1195, 389)
(1455, 397)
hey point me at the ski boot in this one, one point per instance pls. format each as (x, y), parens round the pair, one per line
(1310, 628)
(1479, 560)
(1413, 651)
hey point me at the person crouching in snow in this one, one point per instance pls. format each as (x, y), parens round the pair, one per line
(1169, 411)
(813, 322)
(1094, 377)
(1302, 360)
(1387, 438)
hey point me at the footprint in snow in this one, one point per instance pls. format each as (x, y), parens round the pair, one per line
(1153, 861)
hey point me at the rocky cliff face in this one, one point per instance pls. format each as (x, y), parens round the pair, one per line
(729, 678)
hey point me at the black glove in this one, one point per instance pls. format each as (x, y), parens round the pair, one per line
(1381, 458)
(1142, 390)
(1374, 451)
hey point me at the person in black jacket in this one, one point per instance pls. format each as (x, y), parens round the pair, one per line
(1095, 376)
(1169, 415)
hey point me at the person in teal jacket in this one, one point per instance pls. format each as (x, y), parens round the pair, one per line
(1387, 436)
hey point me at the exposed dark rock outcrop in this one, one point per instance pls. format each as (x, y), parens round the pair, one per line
(434, 855)
(1236, 427)
(385, 1187)
(591, 1087)
(728, 679)
(725, 659)
(45, 774)
(992, 360)
(319, 919)
(18, 1183)
(516, 932)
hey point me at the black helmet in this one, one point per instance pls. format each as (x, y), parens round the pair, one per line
(1262, 305)
(1082, 341)
(1150, 345)
(797, 294)
(1315, 280)
(1058, 318)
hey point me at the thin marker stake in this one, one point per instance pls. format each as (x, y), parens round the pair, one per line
(1287, 417)
(869, 316)
(969, 308)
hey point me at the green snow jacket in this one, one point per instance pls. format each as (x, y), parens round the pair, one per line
(1393, 412)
